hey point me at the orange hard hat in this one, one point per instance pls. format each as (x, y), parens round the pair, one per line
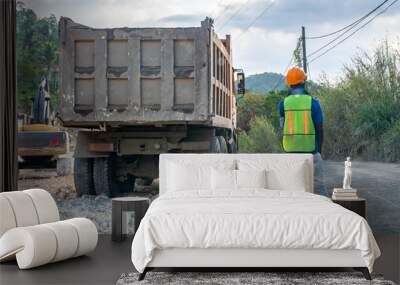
(295, 76)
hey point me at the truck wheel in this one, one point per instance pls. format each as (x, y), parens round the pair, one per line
(232, 147)
(215, 146)
(222, 144)
(83, 176)
(105, 181)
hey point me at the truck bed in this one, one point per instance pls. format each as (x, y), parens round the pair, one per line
(144, 76)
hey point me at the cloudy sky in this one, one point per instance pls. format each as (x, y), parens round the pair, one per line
(261, 41)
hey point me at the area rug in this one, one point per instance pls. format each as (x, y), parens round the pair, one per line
(243, 278)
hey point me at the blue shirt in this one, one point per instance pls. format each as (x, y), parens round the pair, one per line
(316, 113)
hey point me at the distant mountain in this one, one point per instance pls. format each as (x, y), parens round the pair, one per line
(265, 82)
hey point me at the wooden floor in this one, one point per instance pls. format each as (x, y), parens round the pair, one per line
(110, 260)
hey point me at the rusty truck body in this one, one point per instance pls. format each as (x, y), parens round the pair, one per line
(137, 92)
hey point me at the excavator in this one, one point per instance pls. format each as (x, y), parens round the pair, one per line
(40, 143)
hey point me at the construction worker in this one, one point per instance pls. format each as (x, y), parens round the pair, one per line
(301, 124)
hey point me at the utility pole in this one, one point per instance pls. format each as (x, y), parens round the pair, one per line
(303, 41)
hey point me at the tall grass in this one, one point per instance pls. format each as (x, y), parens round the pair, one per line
(362, 110)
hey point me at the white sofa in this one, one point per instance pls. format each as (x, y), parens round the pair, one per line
(31, 230)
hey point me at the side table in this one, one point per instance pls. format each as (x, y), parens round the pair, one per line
(358, 205)
(138, 205)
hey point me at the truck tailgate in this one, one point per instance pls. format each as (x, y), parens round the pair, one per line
(134, 75)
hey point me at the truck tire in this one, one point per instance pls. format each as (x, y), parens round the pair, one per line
(215, 146)
(83, 176)
(222, 144)
(232, 147)
(105, 182)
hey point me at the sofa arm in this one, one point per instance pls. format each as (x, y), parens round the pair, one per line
(37, 245)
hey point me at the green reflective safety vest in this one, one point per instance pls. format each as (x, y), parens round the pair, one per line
(298, 128)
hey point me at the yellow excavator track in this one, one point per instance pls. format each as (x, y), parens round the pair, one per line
(37, 128)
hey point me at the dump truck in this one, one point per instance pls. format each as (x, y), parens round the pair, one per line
(39, 142)
(135, 93)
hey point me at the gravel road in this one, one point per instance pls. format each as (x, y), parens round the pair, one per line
(378, 182)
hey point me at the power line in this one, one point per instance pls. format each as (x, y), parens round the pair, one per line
(227, 7)
(335, 39)
(235, 13)
(256, 19)
(350, 25)
(369, 21)
(215, 9)
(284, 72)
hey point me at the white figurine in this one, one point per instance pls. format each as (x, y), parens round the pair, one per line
(347, 174)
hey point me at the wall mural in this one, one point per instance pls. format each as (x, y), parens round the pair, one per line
(361, 121)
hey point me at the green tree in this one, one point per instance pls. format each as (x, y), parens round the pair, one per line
(391, 143)
(37, 53)
(249, 106)
(271, 107)
(254, 105)
(261, 138)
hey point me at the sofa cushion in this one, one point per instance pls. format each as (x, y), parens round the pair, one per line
(67, 240)
(7, 218)
(45, 205)
(26, 208)
(87, 235)
(23, 208)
